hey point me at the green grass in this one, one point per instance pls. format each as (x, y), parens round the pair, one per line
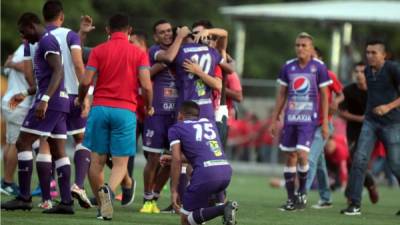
(258, 205)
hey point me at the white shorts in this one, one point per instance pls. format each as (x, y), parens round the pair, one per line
(14, 119)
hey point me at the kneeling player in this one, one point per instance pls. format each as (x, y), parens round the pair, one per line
(197, 139)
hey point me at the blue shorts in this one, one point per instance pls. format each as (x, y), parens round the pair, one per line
(111, 131)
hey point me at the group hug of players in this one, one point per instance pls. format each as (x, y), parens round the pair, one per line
(173, 86)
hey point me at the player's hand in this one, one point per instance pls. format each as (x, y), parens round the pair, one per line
(191, 67)
(86, 24)
(165, 160)
(176, 203)
(325, 131)
(149, 111)
(381, 110)
(16, 100)
(333, 107)
(85, 107)
(8, 62)
(201, 36)
(272, 129)
(183, 31)
(41, 109)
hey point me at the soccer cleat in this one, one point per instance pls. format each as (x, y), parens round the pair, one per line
(46, 204)
(128, 194)
(17, 203)
(288, 206)
(373, 194)
(106, 202)
(61, 208)
(37, 191)
(99, 216)
(322, 205)
(147, 207)
(230, 210)
(168, 209)
(11, 189)
(155, 208)
(351, 210)
(301, 201)
(81, 196)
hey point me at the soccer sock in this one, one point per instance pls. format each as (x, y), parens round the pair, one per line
(289, 173)
(131, 165)
(25, 166)
(43, 167)
(205, 214)
(302, 172)
(182, 182)
(63, 167)
(156, 195)
(82, 162)
(148, 196)
(220, 197)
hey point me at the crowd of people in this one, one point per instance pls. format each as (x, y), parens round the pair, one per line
(178, 96)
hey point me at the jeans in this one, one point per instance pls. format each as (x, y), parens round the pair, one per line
(317, 165)
(370, 132)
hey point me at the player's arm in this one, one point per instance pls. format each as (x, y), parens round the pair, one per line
(345, 114)
(18, 66)
(235, 95)
(221, 34)
(86, 26)
(147, 88)
(279, 104)
(234, 89)
(176, 166)
(74, 45)
(169, 55)
(194, 68)
(28, 73)
(325, 110)
(157, 67)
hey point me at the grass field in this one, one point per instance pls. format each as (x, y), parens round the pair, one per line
(258, 206)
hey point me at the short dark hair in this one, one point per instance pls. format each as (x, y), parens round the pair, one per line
(318, 51)
(140, 33)
(361, 63)
(52, 9)
(28, 18)
(190, 109)
(118, 22)
(158, 22)
(205, 23)
(376, 42)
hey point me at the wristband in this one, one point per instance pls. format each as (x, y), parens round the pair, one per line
(25, 93)
(45, 98)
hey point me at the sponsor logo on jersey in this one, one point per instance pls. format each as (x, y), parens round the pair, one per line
(301, 85)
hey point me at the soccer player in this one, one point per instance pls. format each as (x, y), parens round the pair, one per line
(18, 82)
(155, 133)
(196, 139)
(111, 126)
(73, 70)
(352, 109)
(303, 85)
(381, 121)
(316, 158)
(45, 119)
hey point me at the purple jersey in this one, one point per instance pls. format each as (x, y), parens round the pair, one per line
(200, 143)
(48, 44)
(190, 86)
(303, 90)
(164, 87)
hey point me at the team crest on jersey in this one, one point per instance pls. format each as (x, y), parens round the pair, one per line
(313, 69)
(293, 68)
(301, 85)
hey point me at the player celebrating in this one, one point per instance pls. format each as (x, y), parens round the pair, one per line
(197, 139)
(303, 81)
(46, 118)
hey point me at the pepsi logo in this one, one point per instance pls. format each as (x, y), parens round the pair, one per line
(301, 85)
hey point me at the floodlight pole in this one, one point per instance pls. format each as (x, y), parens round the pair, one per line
(336, 43)
(240, 46)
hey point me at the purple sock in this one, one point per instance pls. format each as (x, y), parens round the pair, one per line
(43, 166)
(53, 170)
(302, 173)
(220, 197)
(82, 162)
(183, 181)
(64, 174)
(289, 184)
(205, 214)
(25, 167)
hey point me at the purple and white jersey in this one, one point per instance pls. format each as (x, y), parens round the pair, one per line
(164, 87)
(48, 44)
(190, 86)
(303, 90)
(200, 143)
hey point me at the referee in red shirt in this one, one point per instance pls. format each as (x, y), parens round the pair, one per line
(111, 125)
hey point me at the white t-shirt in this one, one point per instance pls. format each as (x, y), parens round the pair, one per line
(16, 81)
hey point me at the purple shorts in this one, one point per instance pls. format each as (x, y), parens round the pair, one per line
(155, 133)
(53, 125)
(297, 137)
(75, 123)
